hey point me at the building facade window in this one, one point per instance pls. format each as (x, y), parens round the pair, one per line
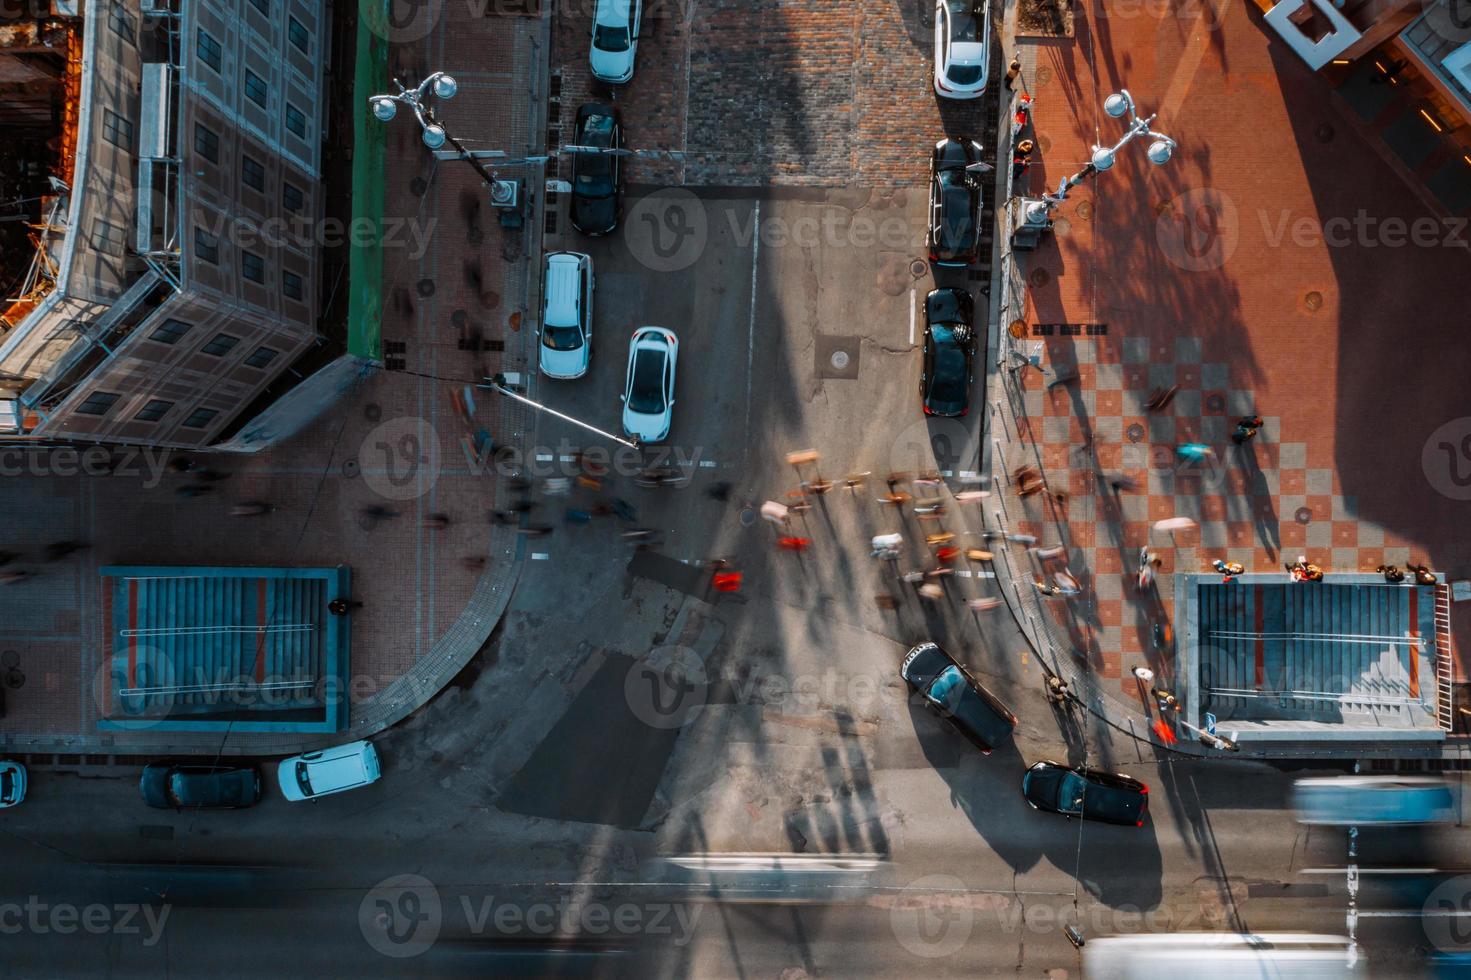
(264, 6)
(221, 345)
(262, 356)
(299, 36)
(122, 23)
(291, 285)
(206, 246)
(255, 88)
(293, 198)
(117, 130)
(207, 143)
(154, 410)
(98, 403)
(253, 173)
(253, 267)
(108, 237)
(170, 331)
(199, 418)
(208, 49)
(295, 120)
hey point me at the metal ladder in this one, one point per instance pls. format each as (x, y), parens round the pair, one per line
(1445, 708)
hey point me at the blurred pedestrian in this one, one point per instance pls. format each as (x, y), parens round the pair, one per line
(885, 601)
(727, 581)
(932, 592)
(912, 578)
(971, 496)
(1051, 591)
(436, 521)
(1391, 573)
(14, 576)
(1228, 569)
(1047, 554)
(1066, 582)
(623, 509)
(503, 518)
(523, 505)
(557, 486)
(1243, 433)
(1423, 575)
(1012, 71)
(377, 512)
(535, 530)
(793, 543)
(194, 490)
(341, 606)
(590, 482)
(1027, 539)
(1194, 452)
(855, 480)
(894, 479)
(250, 508)
(886, 546)
(1160, 398)
(58, 550)
(984, 603)
(1122, 484)
(1144, 675)
(947, 553)
(575, 516)
(719, 491)
(473, 563)
(1057, 689)
(181, 464)
(1250, 422)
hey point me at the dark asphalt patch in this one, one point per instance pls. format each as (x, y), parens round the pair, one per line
(689, 579)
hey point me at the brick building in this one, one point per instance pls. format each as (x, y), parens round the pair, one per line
(166, 166)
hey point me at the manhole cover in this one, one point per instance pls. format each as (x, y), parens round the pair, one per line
(425, 287)
(918, 268)
(1303, 515)
(372, 411)
(1062, 227)
(350, 468)
(1163, 208)
(839, 360)
(418, 186)
(14, 679)
(1313, 300)
(1044, 75)
(458, 318)
(1017, 328)
(1325, 133)
(1215, 403)
(1039, 278)
(10, 658)
(490, 299)
(837, 357)
(1135, 432)
(748, 516)
(1085, 209)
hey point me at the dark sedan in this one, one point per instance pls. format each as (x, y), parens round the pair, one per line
(1109, 797)
(955, 203)
(949, 349)
(200, 787)
(958, 698)
(597, 178)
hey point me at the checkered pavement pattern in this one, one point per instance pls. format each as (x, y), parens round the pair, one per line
(1259, 504)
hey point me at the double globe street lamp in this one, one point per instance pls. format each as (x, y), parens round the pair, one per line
(1032, 216)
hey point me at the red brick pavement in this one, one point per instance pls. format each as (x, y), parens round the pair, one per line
(1350, 351)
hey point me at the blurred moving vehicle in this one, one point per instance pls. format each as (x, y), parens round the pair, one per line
(949, 349)
(958, 698)
(648, 395)
(597, 178)
(1220, 956)
(12, 783)
(170, 787)
(566, 316)
(334, 770)
(1344, 801)
(1110, 797)
(962, 48)
(615, 26)
(955, 203)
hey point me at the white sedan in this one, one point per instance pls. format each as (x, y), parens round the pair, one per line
(615, 39)
(648, 395)
(962, 48)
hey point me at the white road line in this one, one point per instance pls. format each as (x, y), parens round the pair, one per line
(539, 556)
(544, 457)
(708, 463)
(751, 325)
(911, 316)
(1371, 871)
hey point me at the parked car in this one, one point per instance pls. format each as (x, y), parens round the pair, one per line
(200, 787)
(962, 48)
(958, 698)
(615, 26)
(1373, 800)
(597, 178)
(648, 395)
(1109, 797)
(949, 350)
(328, 771)
(566, 315)
(12, 783)
(955, 203)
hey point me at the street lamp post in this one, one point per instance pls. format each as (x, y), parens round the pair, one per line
(385, 107)
(1032, 216)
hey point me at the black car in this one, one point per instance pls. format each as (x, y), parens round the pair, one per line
(949, 347)
(957, 697)
(955, 203)
(597, 178)
(170, 787)
(1110, 797)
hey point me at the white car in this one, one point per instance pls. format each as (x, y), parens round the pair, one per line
(615, 27)
(648, 395)
(962, 48)
(566, 317)
(334, 770)
(12, 783)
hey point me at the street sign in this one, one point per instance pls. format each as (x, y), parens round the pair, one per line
(1210, 722)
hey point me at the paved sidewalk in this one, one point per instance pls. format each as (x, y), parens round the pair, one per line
(1181, 273)
(456, 285)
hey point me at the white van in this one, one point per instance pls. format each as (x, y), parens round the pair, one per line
(1220, 956)
(334, 770)
(566, 315)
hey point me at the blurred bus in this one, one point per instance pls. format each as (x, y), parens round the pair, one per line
(1220, 956)
(1366, 801)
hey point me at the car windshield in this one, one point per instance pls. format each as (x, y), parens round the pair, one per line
(303, 781)
(1070, 793)
(951, 691)
(964, 74)
(594, 171)
(607, 38)
(948, 382)
(7, 785)
(963, 23)
(647, 397)
(562, 338)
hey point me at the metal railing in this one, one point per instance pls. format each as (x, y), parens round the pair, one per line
(1444, 675)
(1405, 700)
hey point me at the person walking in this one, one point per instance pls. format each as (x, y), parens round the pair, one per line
(1391, 573)
(727, 581)
(1012, 71)
(1423, 575)
(1144, 675)
(1228, 569)
(1160, 398)
(1194, 452)
(793, 543)
(436, 522)
(341, 606)
(984, 603)
(886, 546)
(58, 550)
(377, 512)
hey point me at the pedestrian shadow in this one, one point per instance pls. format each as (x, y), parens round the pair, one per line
(1259, 499)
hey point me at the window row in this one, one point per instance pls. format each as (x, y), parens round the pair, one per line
(252, 265)
(171, 331)
(208, 48)
(101, 402)
(252, 171)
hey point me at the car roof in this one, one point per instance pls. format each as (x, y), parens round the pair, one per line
(563, 289)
